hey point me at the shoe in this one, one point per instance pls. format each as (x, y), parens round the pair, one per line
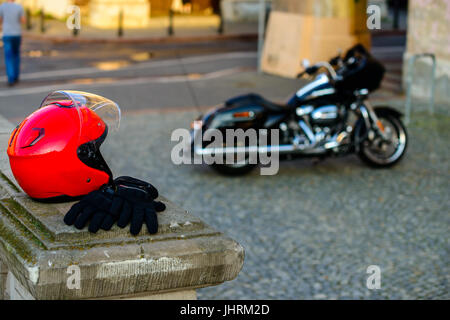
(11, 84)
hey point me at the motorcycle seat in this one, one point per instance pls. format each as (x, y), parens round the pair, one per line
(256, 99)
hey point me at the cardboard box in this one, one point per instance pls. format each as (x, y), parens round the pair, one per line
(292, 37)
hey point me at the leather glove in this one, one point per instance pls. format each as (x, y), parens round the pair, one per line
(126, 199)
(143, 210)
(93, 207)
(137, 206)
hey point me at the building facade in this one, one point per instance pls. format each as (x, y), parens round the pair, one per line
(429, 32)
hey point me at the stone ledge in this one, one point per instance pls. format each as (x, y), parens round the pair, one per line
(3, 275)
(37, 248)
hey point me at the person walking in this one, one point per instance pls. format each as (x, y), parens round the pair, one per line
(11, 17)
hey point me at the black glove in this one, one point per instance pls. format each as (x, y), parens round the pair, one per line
(143, 209)
(93, 207)
(138, 206)
(126, 199)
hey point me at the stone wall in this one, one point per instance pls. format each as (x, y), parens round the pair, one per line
(3, 275)
(429, 31)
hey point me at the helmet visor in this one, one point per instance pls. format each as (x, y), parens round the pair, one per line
(105, 108)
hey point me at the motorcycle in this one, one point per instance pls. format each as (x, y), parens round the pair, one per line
(330, 115)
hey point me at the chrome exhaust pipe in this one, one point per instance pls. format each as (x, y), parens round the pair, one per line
(281, 149)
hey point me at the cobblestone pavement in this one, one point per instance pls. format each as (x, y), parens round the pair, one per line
(311, 231)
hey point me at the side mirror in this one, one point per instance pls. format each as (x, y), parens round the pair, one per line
(305, 63)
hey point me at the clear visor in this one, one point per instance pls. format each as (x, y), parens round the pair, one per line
(106, 109)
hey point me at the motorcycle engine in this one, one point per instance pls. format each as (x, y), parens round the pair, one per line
(320, 123)
(327, 115)
(314, 126)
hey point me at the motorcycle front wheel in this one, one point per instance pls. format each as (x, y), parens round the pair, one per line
(381, 153)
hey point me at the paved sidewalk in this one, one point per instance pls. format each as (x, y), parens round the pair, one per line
(311, 231)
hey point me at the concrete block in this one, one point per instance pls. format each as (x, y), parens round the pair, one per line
(3, 275)
(47, 259)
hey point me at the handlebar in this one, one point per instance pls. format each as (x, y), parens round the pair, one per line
(313, 69)
(330, 69)
(340, 67)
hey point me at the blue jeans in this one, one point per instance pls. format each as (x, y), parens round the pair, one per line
(11, 46)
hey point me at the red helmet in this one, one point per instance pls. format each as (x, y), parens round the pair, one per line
(55, 151)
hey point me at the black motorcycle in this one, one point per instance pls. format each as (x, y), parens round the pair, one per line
(329, 116)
